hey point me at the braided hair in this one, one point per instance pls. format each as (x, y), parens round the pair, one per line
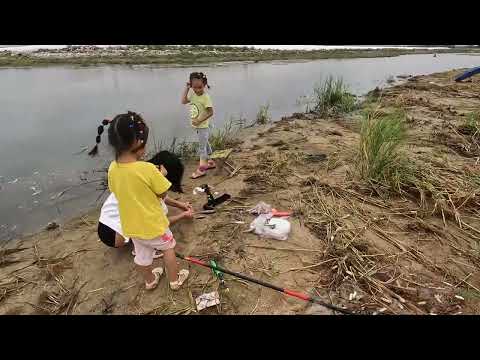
(100, 131)
(199, 76)
(123, 131)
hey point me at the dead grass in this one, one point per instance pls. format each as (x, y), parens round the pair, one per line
(270, 172)
(6, 256)
(379, 276)
(61, 300)
(11, 287)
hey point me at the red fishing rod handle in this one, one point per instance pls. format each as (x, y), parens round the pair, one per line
(315, 300)
(297, 294)
(196, 261)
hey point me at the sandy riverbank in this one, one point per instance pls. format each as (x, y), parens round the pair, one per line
(352, 242)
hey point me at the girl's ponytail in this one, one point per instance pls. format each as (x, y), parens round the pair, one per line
(205, 80)
(100, 131)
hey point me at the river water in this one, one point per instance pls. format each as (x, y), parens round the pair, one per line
(49, 114)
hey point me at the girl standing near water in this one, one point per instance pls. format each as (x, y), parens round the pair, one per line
(137, 185)
(201, 112)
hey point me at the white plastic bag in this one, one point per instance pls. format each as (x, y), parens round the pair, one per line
(266, 226)
(261, 208)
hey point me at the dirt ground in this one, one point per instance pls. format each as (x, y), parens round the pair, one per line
(350, 244)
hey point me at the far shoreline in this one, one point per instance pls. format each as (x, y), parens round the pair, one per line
(190, 56)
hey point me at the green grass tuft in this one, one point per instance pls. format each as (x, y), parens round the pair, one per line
(330, 97)
(472, 124)
(226, 137)
(263, 115)
(381, 136)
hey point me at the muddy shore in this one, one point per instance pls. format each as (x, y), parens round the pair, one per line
(353, 243)
(187, 55)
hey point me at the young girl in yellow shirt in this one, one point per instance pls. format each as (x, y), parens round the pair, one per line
(201, 112)
(137, 185)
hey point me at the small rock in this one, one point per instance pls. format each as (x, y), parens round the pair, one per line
(315, 157)
(52, 226)
(277, 143)
(424, 293)
(335, 132)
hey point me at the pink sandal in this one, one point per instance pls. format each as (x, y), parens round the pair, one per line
(200, 172)
(211, 165)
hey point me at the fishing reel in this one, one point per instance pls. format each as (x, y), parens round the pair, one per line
(211, 200)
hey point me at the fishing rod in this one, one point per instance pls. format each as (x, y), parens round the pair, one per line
(296, 294)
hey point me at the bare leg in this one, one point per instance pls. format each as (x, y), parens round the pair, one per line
(146, 272)
(203, 163)
(170, 261)
(119, 241)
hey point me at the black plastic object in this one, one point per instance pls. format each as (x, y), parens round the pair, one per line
(212, 202)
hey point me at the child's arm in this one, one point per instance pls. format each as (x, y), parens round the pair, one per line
(185, 100)
(177, 204)
(186, 214)
(159, 183)
(163, 196)
(205, 116)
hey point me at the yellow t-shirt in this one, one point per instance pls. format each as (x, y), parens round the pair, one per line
(136, 186)
(198, 106)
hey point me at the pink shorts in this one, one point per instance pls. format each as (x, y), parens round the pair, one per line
(145, 249)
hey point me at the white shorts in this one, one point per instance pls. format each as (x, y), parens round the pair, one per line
(145, 249)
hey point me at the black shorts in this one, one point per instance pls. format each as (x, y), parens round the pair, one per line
(106, 235)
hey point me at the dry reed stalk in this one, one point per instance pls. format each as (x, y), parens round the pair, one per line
(324, 210)
(62, 300)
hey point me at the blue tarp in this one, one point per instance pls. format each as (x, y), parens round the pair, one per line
(468, 74)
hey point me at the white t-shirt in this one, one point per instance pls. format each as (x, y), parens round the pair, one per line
(110, 215)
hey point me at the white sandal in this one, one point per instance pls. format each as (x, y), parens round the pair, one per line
(182, 276)
(157, 272)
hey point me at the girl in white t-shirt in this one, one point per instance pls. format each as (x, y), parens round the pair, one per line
(109, 226)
